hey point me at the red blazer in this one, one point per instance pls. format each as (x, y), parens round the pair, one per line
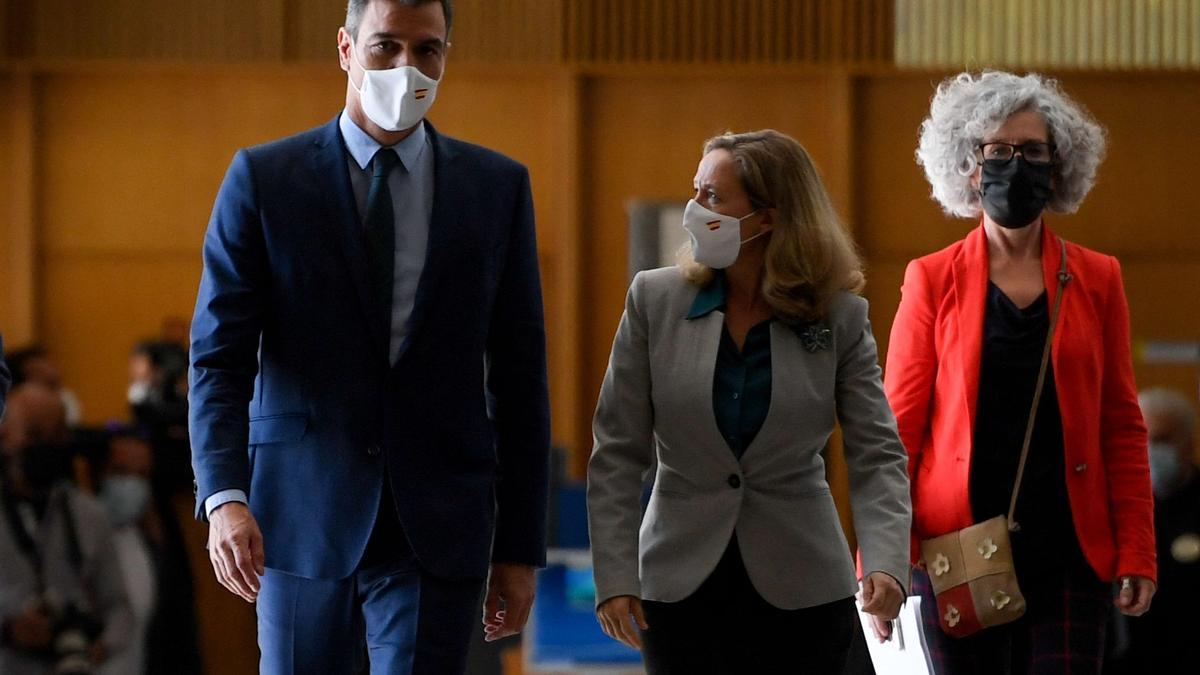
(932, 382)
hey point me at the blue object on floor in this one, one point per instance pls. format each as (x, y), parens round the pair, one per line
(563, 628)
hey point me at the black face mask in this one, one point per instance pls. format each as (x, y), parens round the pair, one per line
(1015, 192)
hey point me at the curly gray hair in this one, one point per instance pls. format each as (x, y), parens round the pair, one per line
(967, 108)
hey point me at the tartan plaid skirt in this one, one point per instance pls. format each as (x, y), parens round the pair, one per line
(1061, 633)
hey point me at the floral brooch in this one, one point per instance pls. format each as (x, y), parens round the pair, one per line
(815, 337)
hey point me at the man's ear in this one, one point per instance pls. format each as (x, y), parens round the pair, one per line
(345, 44)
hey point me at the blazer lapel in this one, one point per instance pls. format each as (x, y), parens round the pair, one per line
(784, 352)
(698, 372)
(970, 295)
(1051, 259)
(329, 167)
(447, 195)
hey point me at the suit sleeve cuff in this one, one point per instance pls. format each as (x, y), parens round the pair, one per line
(905, 584)
(223, 497)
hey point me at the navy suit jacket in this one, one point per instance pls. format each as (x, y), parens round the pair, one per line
(294, 399)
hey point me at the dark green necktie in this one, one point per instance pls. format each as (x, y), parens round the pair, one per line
(379, 226)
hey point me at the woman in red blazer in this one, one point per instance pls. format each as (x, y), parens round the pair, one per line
(962, 366)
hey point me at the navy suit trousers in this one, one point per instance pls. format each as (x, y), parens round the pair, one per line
(389, 614)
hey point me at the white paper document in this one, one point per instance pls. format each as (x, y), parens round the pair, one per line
(906, 653)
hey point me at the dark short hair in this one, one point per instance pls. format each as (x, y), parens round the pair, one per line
(19, 360)
(354, 12)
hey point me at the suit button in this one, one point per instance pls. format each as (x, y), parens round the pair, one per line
(735, 482)
(373, 450)
(1080, 468)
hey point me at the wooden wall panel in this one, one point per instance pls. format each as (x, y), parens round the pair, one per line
(313, 28)
(118, 177)
(18, 232)
(5, 26)
(751, 31)
(1152, 154)
(1089, 34)
(1164, 304)
(513, 31)
(896, 215)
(214, 30)
(95, 307)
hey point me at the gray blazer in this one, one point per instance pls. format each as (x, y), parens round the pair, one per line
(656, 410)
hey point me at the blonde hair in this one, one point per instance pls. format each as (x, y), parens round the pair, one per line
(809, 256)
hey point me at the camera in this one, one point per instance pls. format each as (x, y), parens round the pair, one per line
(74, 633)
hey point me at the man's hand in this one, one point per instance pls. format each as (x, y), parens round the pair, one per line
(509, 599)
(31, 630)
(1136, 593)
(617, 616)
(235, 547)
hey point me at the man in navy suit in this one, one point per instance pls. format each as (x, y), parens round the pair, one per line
(369, 408)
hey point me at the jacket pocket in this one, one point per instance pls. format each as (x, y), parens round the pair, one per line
(278, 428)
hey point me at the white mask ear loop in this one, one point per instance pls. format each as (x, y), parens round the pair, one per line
(747, 241)
(354, 60)
(752, 238)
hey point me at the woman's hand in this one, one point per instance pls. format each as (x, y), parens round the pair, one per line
(1136, 593)
(617, 616)
(882, 596)
(882, 628)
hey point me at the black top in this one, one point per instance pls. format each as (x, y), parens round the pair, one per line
(742, 378)
(1013, 340)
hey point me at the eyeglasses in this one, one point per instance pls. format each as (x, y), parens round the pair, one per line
(1034, 153)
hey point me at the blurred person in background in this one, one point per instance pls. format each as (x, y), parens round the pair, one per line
(35, 364)
(158, 408)
(124, 490)
(5, 379)
(967, 347)
(1164, 641)
(63, 604)
(157, 396)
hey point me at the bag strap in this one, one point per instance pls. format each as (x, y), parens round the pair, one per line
(1063, 278)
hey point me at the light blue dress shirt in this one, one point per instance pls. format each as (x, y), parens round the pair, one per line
(411, 187)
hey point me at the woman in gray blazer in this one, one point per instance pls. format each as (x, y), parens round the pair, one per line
(727, 376)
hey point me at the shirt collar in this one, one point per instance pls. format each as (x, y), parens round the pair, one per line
(710, 298)
(362, 147)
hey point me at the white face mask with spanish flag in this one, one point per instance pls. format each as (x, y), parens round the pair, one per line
(716, 238)
(397, 98)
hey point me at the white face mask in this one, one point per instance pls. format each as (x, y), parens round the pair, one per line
(139, 392)
(716, 239)
(396, 98)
